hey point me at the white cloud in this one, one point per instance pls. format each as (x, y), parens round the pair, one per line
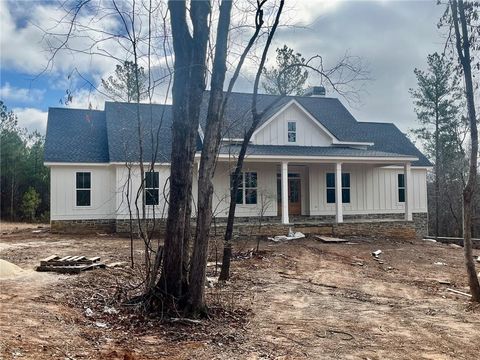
(32, 119)
(25, 46)
(12, 93)
(303, 13)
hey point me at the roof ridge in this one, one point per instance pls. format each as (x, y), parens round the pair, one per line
(376, 122)
(75, 109)
(286, 96)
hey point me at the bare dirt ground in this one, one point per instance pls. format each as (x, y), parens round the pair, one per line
(297, 300)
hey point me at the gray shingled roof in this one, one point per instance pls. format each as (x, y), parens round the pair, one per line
(76, 136)
(111, 135)
(328, 111)
(387, 137)
(293, 150)
(122, 130)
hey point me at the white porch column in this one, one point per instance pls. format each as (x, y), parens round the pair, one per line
(285, 219)
(338, 193)
(408, 191)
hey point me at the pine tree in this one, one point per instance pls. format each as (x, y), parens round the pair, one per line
(437, 104)
(122, 86)
(285, 80)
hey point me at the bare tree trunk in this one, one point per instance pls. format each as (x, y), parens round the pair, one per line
(256, 117)
(187, 235)
(437, 182)
(187, 92)
(211, 144)
(463, 52)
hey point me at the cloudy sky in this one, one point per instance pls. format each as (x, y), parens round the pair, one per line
(392, 37)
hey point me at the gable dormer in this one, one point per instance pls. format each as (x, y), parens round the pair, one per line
(292, 125)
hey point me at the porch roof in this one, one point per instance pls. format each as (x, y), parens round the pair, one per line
(309, 152)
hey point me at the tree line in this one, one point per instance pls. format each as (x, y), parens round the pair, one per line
(24, 180)
(443, 133)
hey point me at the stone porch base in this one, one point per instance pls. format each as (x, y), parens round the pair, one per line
(392, 226)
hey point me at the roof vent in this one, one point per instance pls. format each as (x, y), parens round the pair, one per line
(315, 91)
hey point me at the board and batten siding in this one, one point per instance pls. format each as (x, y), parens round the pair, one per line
(275, 132)
(373, 190)
(157, 211)
(63, 193)
(266, 189)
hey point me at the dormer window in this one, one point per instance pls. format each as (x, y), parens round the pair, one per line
(292, 131)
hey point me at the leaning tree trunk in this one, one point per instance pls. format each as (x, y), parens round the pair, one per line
(437, 173)
(207, 163)
(463, 50)
(256, 117)
(187, 91)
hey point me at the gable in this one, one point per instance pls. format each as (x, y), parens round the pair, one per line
(308, 131)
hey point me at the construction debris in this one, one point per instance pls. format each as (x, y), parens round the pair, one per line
(327, 239)
(291, 236)
(455, 246)
(116, 264)
(440, 263)
(69, 264)
(430, 240)
(213, 263)
(458, 292)
(376, 253)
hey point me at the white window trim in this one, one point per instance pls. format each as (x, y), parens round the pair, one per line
(151, 188)
(334, 187)
(244, 188)
(399, 188)
(91, 197)
(291, 131)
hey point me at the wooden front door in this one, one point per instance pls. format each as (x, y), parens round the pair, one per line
(294, 195)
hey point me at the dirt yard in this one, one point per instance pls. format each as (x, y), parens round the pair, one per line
(297, 300)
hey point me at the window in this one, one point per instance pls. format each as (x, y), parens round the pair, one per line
(83, 188)
(401, 188)
(151, 188)
(292, 131)
(247, 189)
(331, 188)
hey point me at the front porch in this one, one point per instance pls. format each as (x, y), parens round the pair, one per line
(295, 187)
(323, 189)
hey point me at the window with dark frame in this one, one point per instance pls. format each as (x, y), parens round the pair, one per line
(247, 188)
(292, 131)
(401, 188)
(83, 188)
(330, 188)
(330, 180)
(151, 187)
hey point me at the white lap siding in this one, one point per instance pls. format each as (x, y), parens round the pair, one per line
(373, 190)
(63, 204)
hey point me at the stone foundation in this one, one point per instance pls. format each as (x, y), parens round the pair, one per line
(375, 225)
(122, 226)
(83, 226)
(420, 221)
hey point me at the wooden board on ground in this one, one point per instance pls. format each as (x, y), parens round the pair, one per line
(69, 264)
(327, 239)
